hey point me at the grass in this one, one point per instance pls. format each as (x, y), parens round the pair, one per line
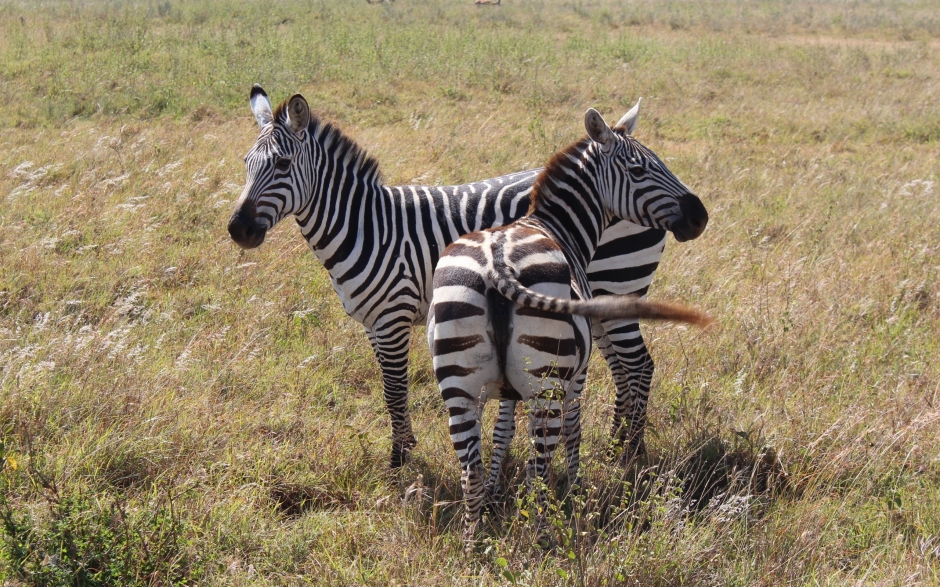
(176, 410)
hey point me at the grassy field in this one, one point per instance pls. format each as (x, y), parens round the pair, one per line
(174, 410)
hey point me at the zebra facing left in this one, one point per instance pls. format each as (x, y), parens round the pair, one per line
(379, 243)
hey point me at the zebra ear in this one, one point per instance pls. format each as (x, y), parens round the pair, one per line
(299, 113)
(596, 128)
(630, 119)
(260, 105)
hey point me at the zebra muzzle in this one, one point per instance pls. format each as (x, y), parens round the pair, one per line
(245, 229)
(693, 221)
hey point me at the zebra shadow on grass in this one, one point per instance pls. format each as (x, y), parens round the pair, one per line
(722, 476)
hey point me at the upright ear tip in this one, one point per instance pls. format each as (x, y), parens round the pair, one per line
(595, 126)
(257, 90)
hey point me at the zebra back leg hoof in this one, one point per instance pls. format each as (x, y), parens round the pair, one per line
(491, 505)
(638, 447)
(625, 452)
(545, 539)
(401, 452)
(470, 537)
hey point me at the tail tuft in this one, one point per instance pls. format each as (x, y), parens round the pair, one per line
(611, 307)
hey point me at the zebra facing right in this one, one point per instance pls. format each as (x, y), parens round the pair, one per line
(511, 310)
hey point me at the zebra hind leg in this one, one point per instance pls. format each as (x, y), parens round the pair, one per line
(503, 433)
(464, 424)
(545, 428)
(616, 448)
(572, 432)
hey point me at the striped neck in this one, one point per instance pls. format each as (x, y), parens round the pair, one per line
(565, 200)
(345, 187)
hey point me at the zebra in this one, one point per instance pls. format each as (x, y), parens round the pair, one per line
(305, 167)
(511, 306)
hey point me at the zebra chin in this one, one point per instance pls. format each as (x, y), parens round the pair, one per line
(246, 232)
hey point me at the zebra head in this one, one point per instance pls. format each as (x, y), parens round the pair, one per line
(636, 185)
(276, 185)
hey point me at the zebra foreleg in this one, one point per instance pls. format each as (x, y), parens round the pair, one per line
(621, 385)
(627, 355)
(391, 345)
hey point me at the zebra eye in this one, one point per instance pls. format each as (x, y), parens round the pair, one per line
(282, 163)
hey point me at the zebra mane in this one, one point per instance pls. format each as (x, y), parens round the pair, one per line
(553, 168)
(329, 135)
(558, 161)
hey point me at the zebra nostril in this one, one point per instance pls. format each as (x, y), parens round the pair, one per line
(245, 233)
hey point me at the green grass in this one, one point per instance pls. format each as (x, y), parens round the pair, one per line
(176, 410)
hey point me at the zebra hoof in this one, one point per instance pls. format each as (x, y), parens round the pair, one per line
(638, 448)
(470, 542)
(401, 452)
(626, 452)
(490, 493)
(545, 539)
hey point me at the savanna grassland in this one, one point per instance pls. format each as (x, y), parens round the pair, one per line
(174, 410)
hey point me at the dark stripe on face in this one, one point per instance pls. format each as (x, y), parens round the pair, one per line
(443, 346)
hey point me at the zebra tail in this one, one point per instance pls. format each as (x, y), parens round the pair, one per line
(603, 307)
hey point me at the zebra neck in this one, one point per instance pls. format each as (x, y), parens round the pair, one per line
(342, 215)
(575, 224)
(346, 189)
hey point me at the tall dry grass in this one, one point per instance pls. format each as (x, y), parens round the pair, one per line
(175, 410)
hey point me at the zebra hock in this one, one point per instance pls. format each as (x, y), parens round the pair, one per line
(511, 311)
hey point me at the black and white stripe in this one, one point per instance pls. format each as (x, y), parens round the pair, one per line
(511, 306)
(380, 244)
